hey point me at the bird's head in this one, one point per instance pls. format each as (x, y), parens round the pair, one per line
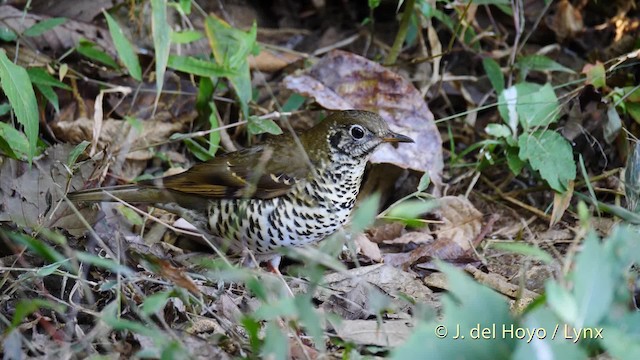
(354, 133)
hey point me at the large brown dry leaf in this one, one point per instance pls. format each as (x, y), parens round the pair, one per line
(29, 196)
(455, 237)
(120, 134)
(388, 279)
(370, 332)
(343, 80)
(59, 39)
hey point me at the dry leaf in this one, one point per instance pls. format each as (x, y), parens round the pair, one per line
(343, 80)
(368, 248)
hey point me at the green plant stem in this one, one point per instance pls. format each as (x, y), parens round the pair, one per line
(402, 33)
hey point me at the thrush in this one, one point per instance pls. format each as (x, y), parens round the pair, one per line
(291, 190)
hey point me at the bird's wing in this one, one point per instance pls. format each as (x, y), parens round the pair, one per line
(258, 172)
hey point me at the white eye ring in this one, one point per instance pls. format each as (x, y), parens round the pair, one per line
(357, 132)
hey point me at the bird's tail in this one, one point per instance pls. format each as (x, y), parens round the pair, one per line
(128, 193)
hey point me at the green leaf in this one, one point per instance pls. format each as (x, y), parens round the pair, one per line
(43, 26)
(26, 307)
(155, 302)
(535, 105)
(260, 126)
(15, 140)
(103, 263)
(40, 76)
(293, 103)
(161, 40)
(133, 217)
(124, 48)
(524, 249)
(88, 49)
(50, 269)
(542, 324)
(111, 318)
(513, 160)
(40, 248)
(593, 283)
(596, 75)
(498, 130)
(5, 108)
(561, 301)
(7, 34)
(49, 94)
(197, 150)
(539, 63)
(231, 48)
(191, 65)
(185, 37)
(185, 6)
(18, 89)
(467, 306)
(411, 209)
(494, 73)
(276, 344)
(365, 214)
(76, 152)
(214, 136)
(550, 154)
(425, 181)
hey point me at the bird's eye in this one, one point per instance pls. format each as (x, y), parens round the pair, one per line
(357, 132)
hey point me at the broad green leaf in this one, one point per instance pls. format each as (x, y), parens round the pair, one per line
(561, 302)
(161, 40)
(40, 76)
(5, 108)
(191, 65)
(596, 75)
(16, 85)
(532, 105)
(524, 249)
(539, 342)
(294, 102)
(43, 26)
(49, 94)
(231, 48)
(539, 63)
(260, 126)
(513, 160)
(16, 141)
(276, 344)
(494, 73)
(155, 302)
(411, 209)
(185, 37)
(89, 49)
(364, 215)
(7, 34)
(621, 343)
(550, 154)
(185, 6)
(593, 282)
(133, 217)
(498, 130)
(123, 47)
(425, 181)
(468, 308)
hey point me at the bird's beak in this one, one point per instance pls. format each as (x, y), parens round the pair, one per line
(392, 137)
